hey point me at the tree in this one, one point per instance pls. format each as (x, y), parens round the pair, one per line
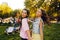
(52, 8)
(33, 5)
(5, 10)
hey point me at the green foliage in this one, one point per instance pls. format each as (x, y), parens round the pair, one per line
(52, 7)
(33, 5)
(4, 36)
(51, 32)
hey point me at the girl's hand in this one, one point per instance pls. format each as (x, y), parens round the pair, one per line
(29, 20)
(30, 38)
(41, 37)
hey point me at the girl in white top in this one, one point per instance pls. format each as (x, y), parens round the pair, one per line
(38, 23)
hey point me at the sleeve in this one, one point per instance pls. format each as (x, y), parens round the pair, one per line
(26, 26)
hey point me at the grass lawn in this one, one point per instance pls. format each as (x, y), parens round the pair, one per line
(4, 36)
(51, 32)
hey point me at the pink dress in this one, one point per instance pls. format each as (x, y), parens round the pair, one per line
(24, 28)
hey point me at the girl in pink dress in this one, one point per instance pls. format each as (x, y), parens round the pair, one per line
(24, 32)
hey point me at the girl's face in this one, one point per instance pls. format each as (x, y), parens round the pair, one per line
(38, 13)
(24, 13)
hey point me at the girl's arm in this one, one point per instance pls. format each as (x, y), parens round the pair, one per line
(26, 28)
(29, 37)
(41, 30)
(30, 20)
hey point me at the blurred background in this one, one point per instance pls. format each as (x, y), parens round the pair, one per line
(52, 8)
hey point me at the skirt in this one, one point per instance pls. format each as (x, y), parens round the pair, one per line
(36, 36)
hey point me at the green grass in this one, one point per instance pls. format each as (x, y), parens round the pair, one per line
(51, 32)
(4, 36)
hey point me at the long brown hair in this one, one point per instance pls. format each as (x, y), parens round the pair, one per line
(44, 16)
